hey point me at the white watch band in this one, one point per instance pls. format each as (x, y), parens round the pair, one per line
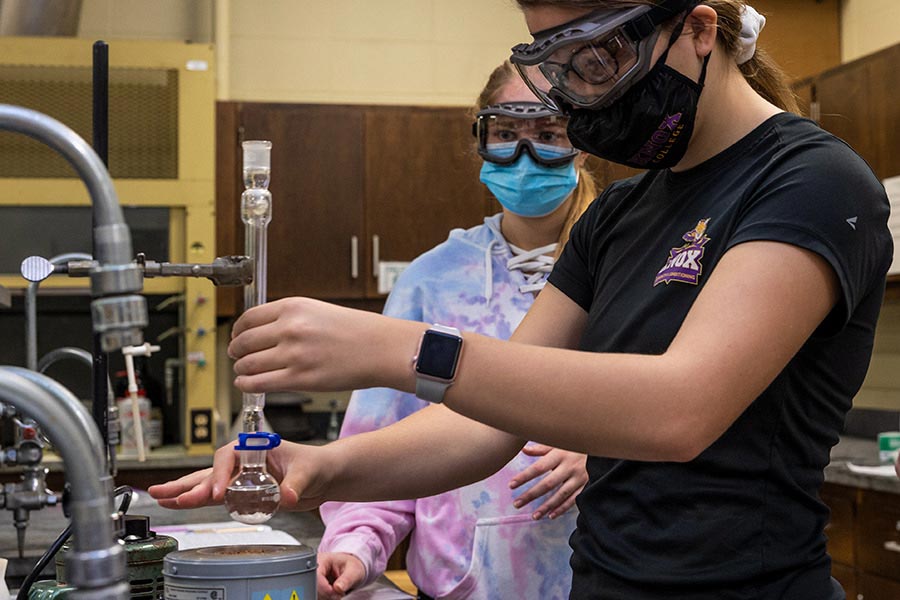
(431, 390)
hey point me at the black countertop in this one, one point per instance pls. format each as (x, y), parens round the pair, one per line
(862, 452)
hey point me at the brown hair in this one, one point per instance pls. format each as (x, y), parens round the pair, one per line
(584, 192)
(761, 72)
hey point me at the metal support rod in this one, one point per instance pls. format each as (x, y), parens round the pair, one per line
(100, 370)
(222, 271)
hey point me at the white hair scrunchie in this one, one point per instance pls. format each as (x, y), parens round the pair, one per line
(751, 24)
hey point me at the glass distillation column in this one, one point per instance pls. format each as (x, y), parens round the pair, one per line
(253, 495)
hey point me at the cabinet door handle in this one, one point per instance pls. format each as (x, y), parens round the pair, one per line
(354, 257)
(376, 250)
(815, 111)
(892, 546)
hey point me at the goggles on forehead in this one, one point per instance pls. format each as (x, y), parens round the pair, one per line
(591, 61)
(505, 131)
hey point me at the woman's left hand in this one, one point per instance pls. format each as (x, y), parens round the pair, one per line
(565, 475)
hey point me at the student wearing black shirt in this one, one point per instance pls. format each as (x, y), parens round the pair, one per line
(701, 337)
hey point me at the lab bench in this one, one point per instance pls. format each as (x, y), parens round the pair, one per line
(163, 464)
(46, 525)
(855, 500)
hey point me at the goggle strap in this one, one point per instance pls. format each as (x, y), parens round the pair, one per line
(673, 37)
(641, 27)
(647, 23)
(525, 146)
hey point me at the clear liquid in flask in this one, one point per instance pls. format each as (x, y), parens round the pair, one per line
(252, 497)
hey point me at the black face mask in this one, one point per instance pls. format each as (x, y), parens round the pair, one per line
(649, 127)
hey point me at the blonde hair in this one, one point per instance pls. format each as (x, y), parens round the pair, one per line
(762, 73)
(585, 191)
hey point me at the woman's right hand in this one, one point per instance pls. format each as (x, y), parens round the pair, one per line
(337, 574)
(298, 468)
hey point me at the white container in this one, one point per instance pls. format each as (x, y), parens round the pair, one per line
(128, 447)
(888, 447)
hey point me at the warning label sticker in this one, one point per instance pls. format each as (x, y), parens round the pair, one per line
(288, 594)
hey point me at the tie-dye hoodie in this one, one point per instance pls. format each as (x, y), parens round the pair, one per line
(470, 542)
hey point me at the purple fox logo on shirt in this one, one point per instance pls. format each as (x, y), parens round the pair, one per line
(683, 263)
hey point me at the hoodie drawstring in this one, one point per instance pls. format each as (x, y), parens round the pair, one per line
(535, 264)
(494, 247)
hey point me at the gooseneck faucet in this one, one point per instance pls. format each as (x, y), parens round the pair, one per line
(97, 565)
(119, 312)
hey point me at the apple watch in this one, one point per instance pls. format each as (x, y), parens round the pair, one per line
(436, 361)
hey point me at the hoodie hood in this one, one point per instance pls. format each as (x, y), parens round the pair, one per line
(534, 265)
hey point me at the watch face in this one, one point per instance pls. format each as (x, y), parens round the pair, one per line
(438, 355)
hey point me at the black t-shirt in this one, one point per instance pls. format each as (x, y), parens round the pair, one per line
(742, 520)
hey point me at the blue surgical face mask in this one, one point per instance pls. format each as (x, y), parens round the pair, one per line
(527, 188)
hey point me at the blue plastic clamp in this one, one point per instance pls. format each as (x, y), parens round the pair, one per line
(249, 441)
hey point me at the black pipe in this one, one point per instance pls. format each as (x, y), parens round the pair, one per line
(100, 372)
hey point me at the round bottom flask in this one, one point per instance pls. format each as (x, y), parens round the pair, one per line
(253, 495)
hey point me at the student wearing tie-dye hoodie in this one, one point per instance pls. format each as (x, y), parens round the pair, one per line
(505, 537)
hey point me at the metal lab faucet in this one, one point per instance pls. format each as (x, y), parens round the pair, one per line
(31, 493)
(96, 567)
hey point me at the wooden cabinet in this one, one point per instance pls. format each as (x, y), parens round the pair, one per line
(421, 181)
(872, 587)
(864, 541)
(878, 534)
(842, 502)
(318, 194)
(352, 186)
(856, 102)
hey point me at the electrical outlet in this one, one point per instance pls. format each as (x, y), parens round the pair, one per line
(201, 426)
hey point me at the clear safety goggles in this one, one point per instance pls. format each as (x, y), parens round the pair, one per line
(505, 131)
(591, 61)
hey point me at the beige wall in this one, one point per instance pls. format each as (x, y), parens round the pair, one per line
(430, 52)
(187, 20)
(426, 52)
(868, 26)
